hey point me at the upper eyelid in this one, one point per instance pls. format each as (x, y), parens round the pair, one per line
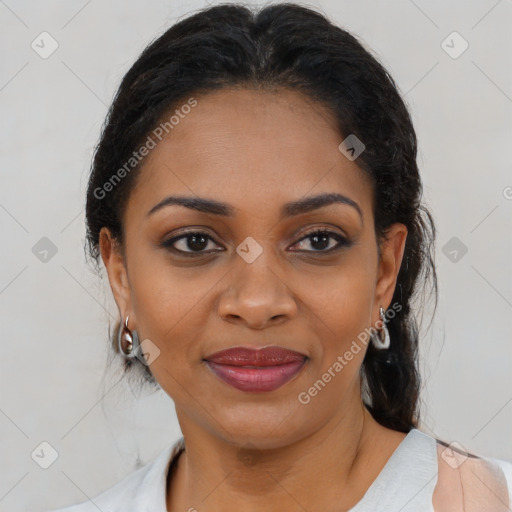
(301, 233)
(309, 231)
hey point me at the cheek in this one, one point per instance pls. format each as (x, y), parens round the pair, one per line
(168, 315)
(155, 295)
(172, 306)
(162, 293)
(340, 299)
(338, 310)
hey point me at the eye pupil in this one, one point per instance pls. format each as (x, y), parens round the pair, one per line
(199, 242)
(324, 240)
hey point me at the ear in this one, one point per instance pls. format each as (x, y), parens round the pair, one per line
(116, 270)
(392, 251)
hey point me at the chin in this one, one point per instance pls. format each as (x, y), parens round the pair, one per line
(263, 430)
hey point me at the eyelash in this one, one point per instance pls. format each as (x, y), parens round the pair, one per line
(342, 242)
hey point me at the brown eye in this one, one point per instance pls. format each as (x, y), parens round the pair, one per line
(191, 242)
(320, 240)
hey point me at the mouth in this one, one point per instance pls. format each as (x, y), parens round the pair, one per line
(256, 370)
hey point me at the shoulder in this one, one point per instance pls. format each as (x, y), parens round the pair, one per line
(144, 486)
(467, 482)
(119, 495)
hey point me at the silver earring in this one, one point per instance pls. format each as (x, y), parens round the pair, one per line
(381, 340)
(127, 341)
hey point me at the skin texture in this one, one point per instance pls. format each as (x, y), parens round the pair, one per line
(257, 150)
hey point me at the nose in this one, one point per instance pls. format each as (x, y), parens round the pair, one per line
(257, 296)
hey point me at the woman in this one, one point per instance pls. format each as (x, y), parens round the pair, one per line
(256, 202)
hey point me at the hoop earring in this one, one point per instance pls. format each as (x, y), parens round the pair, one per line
(382, 340)
(127, 341)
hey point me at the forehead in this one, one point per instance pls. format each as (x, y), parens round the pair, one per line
(252, 149)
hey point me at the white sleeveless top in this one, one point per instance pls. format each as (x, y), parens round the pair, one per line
(405, 484)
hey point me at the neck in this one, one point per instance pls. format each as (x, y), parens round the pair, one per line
(333, 466)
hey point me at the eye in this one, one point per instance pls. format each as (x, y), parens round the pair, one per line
(196, 241)
(320, 239)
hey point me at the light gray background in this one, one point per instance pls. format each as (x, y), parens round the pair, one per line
(54, 315)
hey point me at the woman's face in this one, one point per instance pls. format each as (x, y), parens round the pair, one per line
(256, 279)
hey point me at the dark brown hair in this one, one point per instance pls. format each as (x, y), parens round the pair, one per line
(286, 45)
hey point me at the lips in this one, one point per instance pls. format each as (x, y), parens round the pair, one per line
(268, 356)
(256, 370)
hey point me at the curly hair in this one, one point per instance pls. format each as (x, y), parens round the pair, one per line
(286, 45)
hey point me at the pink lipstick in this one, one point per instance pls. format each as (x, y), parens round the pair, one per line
(256, 370)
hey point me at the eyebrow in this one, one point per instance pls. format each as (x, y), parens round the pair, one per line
(290, 209)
